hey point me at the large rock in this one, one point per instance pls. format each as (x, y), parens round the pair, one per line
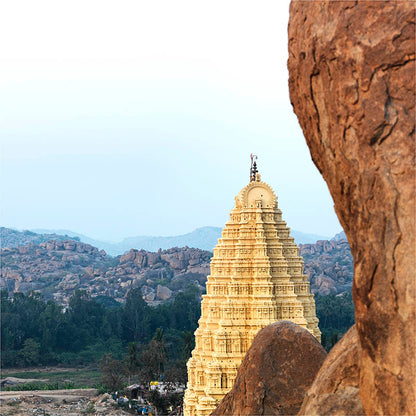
(163, 292)
(329, 265)
(335, 388)
(352, 86)
(276, 372)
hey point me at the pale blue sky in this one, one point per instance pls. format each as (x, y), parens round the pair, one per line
(122, 118)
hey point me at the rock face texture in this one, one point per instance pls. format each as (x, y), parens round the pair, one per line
(275, 374)
(352, 86)
(335, 388)
(57, 268)
(329, 265)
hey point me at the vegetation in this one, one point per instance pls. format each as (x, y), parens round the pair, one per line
(336, 316)
(127, 341)
(48, 378)
(40, 386)
(35, 332)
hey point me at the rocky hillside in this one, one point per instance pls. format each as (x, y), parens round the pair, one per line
(329, 265)
(58, 268)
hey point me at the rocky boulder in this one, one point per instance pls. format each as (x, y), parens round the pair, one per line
(335, 388)
(163, 292)
(325, 285)
(276, 372)
(329, 265)
(352, 86)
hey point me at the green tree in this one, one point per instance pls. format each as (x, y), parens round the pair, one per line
(185, 310)
(30, 353)
(336, 316)
(188, 344)
(85, 313)
(132, 360)
(135, 318)
(50, 320)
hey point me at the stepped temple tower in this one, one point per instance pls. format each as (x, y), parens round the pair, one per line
(256, 279)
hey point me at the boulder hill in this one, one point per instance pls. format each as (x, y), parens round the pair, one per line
(58, 267)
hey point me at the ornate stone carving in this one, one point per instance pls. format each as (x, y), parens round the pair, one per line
(256, 279)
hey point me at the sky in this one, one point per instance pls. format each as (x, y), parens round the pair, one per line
(124, 118)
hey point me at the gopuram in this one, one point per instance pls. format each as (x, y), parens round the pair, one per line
(256, 279)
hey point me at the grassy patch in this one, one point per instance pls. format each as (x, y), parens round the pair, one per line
(72, 378)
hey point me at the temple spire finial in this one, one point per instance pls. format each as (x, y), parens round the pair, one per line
(253, 167)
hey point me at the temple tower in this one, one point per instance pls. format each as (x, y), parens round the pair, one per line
(256, 279)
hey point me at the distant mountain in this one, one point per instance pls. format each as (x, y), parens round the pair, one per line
(10, 237)
(102, 245)
(204, 238)
(304, 238)
(339, 236)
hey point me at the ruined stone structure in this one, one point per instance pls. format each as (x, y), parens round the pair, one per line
(256, 279)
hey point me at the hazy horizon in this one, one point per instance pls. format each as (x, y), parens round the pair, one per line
(139, 119)
(60, 231)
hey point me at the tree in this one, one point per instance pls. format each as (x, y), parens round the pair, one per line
(30, 352)
(113, 372)
(134, 320)
(26, 310)
(50, 320)
(132, 360)
(336, 316)
(177, 373)
(85, 313)
(188, 344)
(185, 310)
(154, 357)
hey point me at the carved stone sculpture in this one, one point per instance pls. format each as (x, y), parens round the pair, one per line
(256, 279)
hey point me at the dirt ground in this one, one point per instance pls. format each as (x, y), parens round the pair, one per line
(58, 402)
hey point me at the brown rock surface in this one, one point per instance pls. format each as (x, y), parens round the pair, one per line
(276, 372)
(352, 86)
(335, 388)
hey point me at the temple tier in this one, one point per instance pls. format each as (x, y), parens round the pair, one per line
(256, 279)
